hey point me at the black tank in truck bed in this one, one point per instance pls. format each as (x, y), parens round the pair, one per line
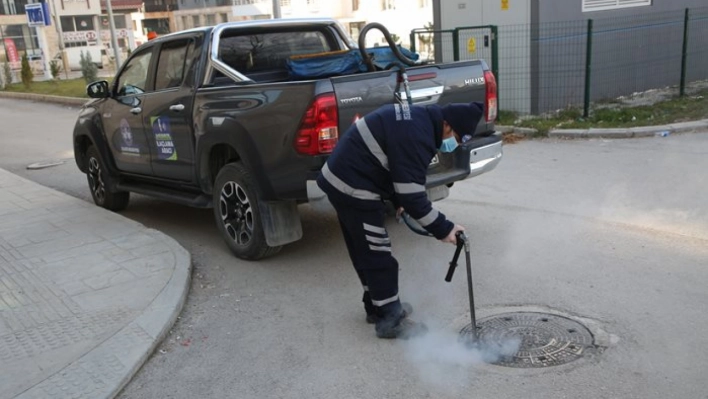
(249, 135)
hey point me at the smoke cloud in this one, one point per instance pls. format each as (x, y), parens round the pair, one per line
(446, 362)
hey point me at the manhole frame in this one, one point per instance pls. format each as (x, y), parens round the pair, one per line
(589, 346)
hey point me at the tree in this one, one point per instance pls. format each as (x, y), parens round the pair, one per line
(88, 69)
(26, 72)
(7, 74)
(54, 68)
(427, 40)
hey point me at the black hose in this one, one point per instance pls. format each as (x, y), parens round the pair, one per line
(414, 226)
(389, 39)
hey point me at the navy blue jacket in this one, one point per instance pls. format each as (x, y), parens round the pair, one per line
(385, 155)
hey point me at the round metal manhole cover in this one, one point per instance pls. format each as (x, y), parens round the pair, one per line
(530, 340)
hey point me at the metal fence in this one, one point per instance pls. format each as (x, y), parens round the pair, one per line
(552, 66)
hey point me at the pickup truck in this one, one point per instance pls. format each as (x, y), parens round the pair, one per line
(214, 118)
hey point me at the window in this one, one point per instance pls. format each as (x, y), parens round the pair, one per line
(172, 63)
(285, 3)
(133, 78)
(355, 5)
(388, 4)
(269, 51)
(185, 22)
(196, 21)
(224, 17)
(423, 3)
(211, 19)
(77, 24)
(12, 7)
(355, 29)
(600, 5)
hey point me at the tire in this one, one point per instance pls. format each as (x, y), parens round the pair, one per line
(96, 176)
(235, 199)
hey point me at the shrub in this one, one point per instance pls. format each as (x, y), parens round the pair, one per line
(54, 68)
(89, 70)
(26, 72)
(7, 75)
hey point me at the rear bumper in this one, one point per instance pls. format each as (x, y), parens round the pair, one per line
(485, 159)
(482, 159)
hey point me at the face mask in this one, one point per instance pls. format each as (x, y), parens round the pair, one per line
(448, 145)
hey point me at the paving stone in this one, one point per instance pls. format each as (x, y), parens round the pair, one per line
(74, 278)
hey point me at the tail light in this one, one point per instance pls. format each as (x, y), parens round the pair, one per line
(318, 132)
(490, 111)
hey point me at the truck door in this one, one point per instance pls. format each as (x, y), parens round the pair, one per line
(122, 116)
(168, 116)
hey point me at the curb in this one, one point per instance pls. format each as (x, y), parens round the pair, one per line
(44, 98)
(616, 133)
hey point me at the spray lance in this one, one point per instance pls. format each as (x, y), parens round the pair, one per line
(462, 241)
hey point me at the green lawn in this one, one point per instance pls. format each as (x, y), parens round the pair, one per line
(67, 88)
(677, 109)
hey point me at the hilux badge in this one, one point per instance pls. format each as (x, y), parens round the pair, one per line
(474, 81)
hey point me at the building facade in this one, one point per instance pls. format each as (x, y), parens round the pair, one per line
(543, 61)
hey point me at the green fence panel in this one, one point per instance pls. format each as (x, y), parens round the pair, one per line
(433, 45)
(697, 49)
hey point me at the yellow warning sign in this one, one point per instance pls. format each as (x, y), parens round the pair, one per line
(472, 46)
(505, 4)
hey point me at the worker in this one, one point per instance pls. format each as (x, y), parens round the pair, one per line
(151, 35)
(385, 156)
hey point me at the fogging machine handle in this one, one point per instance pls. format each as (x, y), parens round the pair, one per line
(461, 242)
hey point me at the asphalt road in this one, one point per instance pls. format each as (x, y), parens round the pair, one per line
(613, 232)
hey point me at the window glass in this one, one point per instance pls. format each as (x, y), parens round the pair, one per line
(133, 79)
(84, 22)
(67, 24)
(172, 64)
(261, 52)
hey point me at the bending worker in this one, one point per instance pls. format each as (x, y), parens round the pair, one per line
(385, 156)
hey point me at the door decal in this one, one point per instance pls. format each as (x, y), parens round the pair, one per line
(163, 138)
(126, 137)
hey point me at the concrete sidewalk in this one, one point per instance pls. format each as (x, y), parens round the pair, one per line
(85, 294)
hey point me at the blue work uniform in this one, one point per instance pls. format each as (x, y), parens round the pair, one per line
(383, 156)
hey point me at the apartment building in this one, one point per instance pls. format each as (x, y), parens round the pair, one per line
(399, 16)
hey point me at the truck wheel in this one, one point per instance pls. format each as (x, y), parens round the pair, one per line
(114, 201)
(236, 212)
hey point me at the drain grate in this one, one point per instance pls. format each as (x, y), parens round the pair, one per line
(543, 340)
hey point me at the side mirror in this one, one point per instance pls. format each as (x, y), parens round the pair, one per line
(98, 89)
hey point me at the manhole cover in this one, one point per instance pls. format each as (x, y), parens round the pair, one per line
(542, 340)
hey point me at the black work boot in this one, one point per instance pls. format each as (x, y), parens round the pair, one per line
(372, 317)
(393, 323)
(404, 329)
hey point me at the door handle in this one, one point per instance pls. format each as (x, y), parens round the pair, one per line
(177, 107)
(136, 110)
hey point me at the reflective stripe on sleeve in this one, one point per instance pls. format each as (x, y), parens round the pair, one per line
(408, 188)
(371, 142)
(347, 189)
(429, 218)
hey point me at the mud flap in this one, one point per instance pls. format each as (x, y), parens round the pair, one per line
(281, 222)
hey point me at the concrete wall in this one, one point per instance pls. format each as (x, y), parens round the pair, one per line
(634, 49)
(566, 10)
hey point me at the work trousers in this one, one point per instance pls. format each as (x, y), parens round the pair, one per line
(369, 249)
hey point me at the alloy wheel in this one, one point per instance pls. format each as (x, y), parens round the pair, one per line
(236, 213)
(98, 188)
